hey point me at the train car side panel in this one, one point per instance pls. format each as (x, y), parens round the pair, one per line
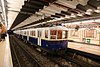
(33, 40)
(54, 45)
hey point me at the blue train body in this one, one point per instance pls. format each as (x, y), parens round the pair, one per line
(33, 40)
(54, 45)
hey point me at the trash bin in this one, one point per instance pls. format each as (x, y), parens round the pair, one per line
(87, 40)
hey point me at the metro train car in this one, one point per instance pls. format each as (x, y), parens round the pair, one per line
(49, 39)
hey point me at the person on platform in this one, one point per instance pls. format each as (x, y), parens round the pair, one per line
(3, 32)
(0, 30)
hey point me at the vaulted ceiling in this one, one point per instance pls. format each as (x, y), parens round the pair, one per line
(26, 13)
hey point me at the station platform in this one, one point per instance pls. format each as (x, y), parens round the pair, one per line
(5, 54)
(92, 49)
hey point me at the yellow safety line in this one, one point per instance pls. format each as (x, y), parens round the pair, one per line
(10, 54)
(11, 60)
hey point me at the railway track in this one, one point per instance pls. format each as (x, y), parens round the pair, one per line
(20, 57)
(16, 62)
(63, 61)
(40, 59)
(82, 60)
(78, 62)
(72, 60)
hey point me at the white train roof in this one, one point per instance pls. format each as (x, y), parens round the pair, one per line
(48, 28)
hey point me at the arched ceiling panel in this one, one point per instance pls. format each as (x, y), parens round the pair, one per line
(39, 4)
(39, 11)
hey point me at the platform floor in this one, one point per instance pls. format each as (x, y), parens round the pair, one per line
(93, 49)
(5, 54)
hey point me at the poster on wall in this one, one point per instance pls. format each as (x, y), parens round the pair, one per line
(91, 33)
(74, 33)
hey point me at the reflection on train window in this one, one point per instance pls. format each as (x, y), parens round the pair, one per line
(90, 33)
(53, 32)
(24, 32)
(21, 32)
(46, 33)
(27, 32)
(59, 35)
(53, 37)
(39, 33)
(65, 33)
(32, 33)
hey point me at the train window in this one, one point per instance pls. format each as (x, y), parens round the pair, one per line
(59, 35)
(46, 33)
(64, 34)
(53, 37)
(53, 32)
(27, 32)
(21, 32)
(32, 33)
(24, 32)
(39, 33)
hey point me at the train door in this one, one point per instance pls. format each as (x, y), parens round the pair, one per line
(65, 34)
(22, 34)
(28, 35)
(39, 37)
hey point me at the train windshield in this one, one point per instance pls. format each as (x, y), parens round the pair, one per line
(58, 34)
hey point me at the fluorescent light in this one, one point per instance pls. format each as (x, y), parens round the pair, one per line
(59, 18)
(87, 21)
(89, 10)
(97, 20)
(77, 22)
(73, 15)
(98, 8)
(67, 16)
(80, 15)
(88, 13)
(98, 11)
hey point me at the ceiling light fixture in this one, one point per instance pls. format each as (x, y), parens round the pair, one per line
(97, 11)
(79, 15)
(68, 17)
(73, 15)
(88, 13)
